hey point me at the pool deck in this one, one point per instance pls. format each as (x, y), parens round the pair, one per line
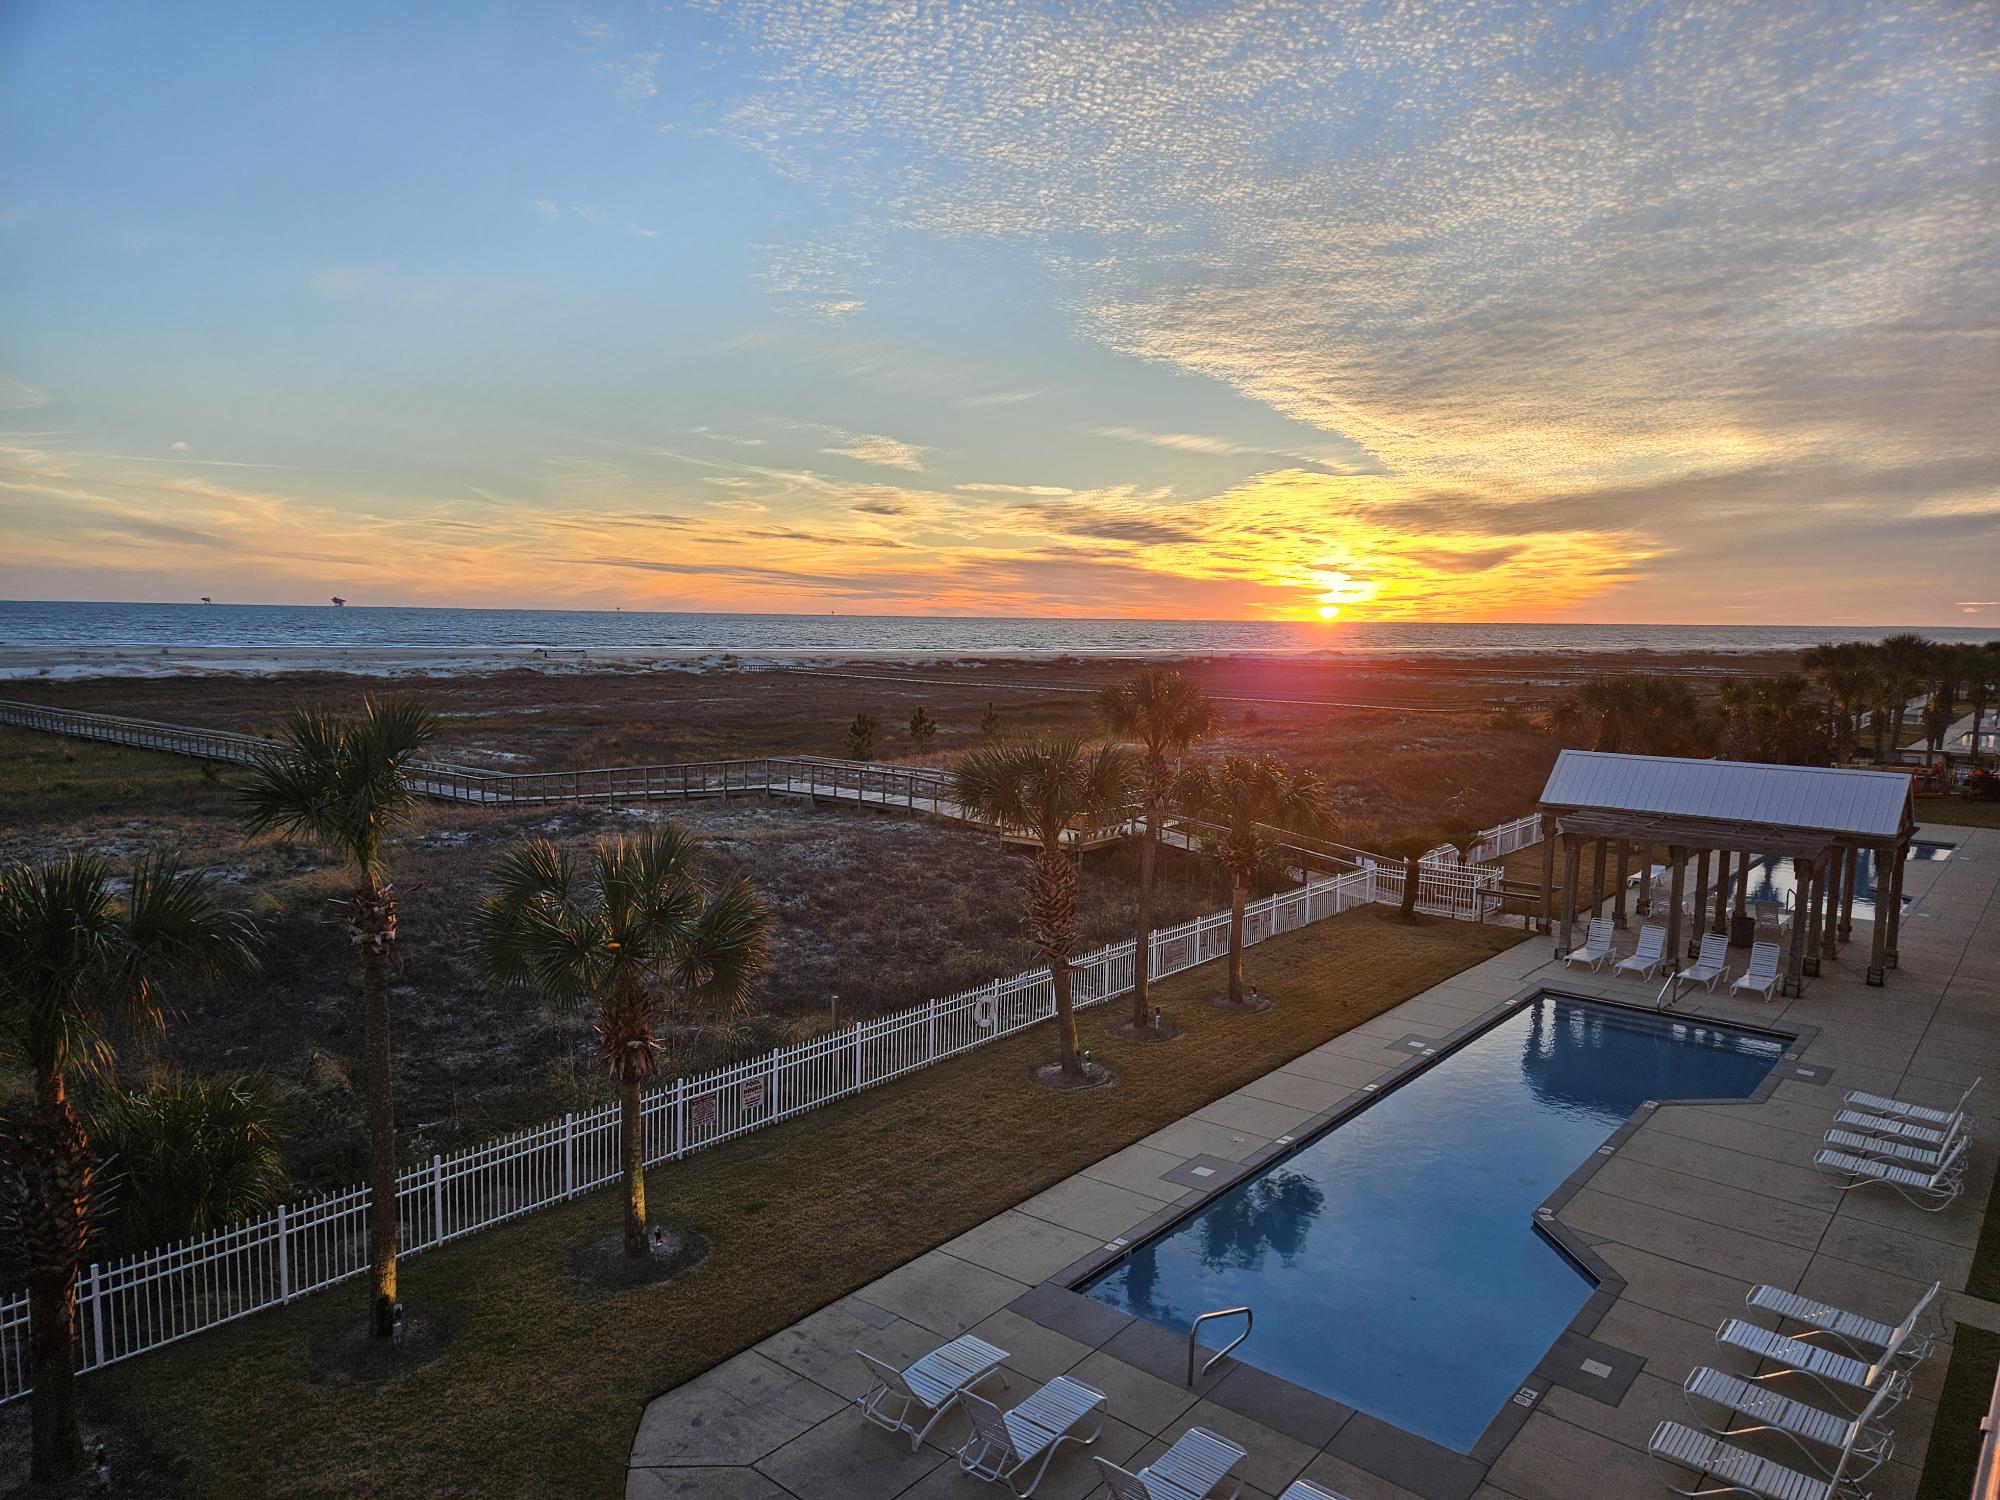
(1692, 1205)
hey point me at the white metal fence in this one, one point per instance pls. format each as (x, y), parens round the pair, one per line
(144, 1301)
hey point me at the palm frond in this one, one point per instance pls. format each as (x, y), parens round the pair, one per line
(724, 950)
(340, 781)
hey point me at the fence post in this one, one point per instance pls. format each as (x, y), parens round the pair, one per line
(930, 1030)
(569, 1152)
(96, 1313)
(679, 1117)
(437, 1200)
(857, 1057)
(284, 1258)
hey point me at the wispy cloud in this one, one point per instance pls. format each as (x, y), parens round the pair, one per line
(1016, 489)
(887, 452)
(18, 395)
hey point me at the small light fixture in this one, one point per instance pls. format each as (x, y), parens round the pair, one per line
(396, 1325)
(100, 1469)
(1158, 1019)
(656, 1240)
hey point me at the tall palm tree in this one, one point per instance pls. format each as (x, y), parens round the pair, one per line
(1054, 787)
(639, 941)
(1903, 660)
(83, 963)
(345, 783)
(1946, 664)
(1846, 670)
(1249, 796)
(1166, 713)
(1631, 714)
(1981, 671)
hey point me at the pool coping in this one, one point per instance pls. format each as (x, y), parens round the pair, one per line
(1418, 1464)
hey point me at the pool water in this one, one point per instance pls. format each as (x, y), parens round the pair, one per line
(1771, 877)
(1392, 1262)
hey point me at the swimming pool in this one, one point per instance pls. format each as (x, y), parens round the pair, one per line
(1771, 877)
(1393, 1262)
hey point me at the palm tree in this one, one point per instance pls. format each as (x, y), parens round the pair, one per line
(1054, 787)
(345, 784)
(1847, 670)
(1903, 660)
(639, 941)
(83, 963)
(1941, 707)
(1981, 671)
(1166, 714)
(1631, 714)
(186, 1156)
(1249, 796)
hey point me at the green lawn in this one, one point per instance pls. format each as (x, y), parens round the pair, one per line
(1958, 813)
(542, 1387)
(1968, 1383)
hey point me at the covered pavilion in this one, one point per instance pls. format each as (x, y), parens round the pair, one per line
(1718, 811)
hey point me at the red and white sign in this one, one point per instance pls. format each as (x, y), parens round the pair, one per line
(702, 1112)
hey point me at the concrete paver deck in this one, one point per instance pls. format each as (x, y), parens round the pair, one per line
(1696, 1203)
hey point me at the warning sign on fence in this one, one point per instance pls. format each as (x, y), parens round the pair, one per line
(752, 1095)
(702, 1112)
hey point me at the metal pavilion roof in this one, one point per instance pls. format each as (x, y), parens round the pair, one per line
(1813, 800)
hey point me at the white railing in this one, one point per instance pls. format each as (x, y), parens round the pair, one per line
(145, 1301)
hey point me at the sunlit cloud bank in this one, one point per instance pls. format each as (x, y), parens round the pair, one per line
(1333, 310)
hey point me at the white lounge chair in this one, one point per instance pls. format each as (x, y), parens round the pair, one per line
(1920, 1114)
(1711, 964)
(1900, 1130)
(1004, 1443)
(1596, 944)
(1852, 1329)
(1744, 1472)
(1305, 1489)
(1931, 1190)
(1761, 977)
(1769, 1411)
(1836, 1373)
(1193, 1469)
(927, 1388)
(1906, 1153)
(1648, 956)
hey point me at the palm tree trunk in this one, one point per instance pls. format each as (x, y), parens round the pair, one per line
(374, 931)
(632, 1137)
(1413, 872)
(1149, 843)
(1239, 892)
(57, 1197)
(1052, 904)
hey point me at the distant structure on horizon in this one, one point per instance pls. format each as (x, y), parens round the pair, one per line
(338, 601)
(206, 600)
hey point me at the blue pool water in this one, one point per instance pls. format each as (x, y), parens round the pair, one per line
(1771, 877)
(1393, 1263)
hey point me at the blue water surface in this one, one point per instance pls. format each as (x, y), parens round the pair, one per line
(1393, 1263)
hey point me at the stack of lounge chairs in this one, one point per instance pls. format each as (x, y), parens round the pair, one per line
(1014, 1447)
(1858, 1365)
(1914, 1150)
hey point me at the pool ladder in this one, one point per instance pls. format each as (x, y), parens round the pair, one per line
(1249, 1321)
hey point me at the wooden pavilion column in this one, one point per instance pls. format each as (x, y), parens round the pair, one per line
(1572, 857)
(1878, 938)
(1720, 921)
(1677, 886)
(1548, 869)
(1795, 958)
(1698, 913)
(1618, 890)
(1829, 920)
(1895, 912)
(1806, 914)
(1597, 878)
(1853, 868)
(1646, 879)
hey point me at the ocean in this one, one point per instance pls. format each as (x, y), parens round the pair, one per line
(31, 625)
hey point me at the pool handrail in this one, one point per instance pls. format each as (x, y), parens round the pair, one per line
(1249, 1322)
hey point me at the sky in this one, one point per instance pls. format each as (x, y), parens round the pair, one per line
(1355, 309)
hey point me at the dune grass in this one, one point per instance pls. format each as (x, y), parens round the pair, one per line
(542, 1386)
